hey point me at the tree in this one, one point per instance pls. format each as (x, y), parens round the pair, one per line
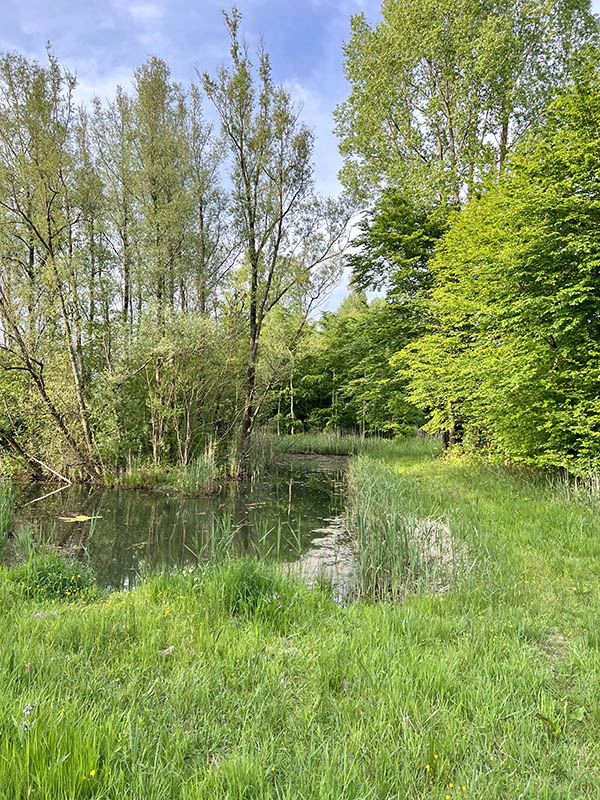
(342, 378)
(442, 89)
(39, 224)
(512, 352)
(113, 135)
(394, 246)
(290, 238)
(211, 246)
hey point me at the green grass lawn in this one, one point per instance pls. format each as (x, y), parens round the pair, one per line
(484, 683)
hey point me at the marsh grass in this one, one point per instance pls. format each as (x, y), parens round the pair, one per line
(400, 549)
(201, 476)
(328, 443)
(235, 681)
(6, 508)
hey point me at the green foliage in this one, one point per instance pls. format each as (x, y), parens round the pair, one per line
(342, 379)
(400, 548)
(441, 89)
(395, 245)
(335, 444)
(510, 361)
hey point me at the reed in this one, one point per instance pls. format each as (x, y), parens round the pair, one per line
(6, 508)
(201, 476)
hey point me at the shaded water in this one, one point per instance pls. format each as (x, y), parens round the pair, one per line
(276, 517)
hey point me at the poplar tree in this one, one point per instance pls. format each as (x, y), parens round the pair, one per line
(39, 217)
(289, 237)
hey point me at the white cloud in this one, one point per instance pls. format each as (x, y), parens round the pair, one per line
(146, 12)
(317, 114)
(92, 83)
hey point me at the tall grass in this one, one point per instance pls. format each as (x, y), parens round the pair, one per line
(201, 475)
(400, 547)
(6, 508)
(328, 443)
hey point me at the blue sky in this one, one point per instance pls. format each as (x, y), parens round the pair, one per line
(102, 41)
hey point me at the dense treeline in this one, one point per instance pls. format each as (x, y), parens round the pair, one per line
(510, 358)
(144, 254)
(473, 129)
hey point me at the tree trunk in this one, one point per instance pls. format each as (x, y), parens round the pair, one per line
(248, 415)
(292, 418)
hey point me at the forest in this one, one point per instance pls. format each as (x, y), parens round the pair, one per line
(255, 547)
(162, 268)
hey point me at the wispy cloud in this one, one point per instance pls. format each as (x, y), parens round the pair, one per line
(146, 12)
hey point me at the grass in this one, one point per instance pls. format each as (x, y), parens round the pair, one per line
(200, 477)
(234, 681)
(6, 508)
(334, 444)
(203, 475)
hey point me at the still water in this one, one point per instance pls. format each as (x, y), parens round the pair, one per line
(276, 517)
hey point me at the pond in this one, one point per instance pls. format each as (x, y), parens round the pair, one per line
(276, 517)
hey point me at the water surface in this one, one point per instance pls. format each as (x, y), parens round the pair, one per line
(275, 517)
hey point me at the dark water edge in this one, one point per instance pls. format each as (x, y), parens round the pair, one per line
(276, 517)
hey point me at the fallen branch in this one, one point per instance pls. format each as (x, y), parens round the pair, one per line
(45, 466)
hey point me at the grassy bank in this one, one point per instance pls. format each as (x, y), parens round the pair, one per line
(232, 681)
(333, 444)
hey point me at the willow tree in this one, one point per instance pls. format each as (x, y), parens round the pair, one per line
(39, 218)
(289, 236)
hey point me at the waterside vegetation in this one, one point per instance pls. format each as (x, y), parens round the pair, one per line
(232, 679)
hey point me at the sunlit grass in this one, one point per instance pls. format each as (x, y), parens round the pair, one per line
(234, 681)
(328, 443)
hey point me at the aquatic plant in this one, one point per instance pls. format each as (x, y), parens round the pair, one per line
(201, 475)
